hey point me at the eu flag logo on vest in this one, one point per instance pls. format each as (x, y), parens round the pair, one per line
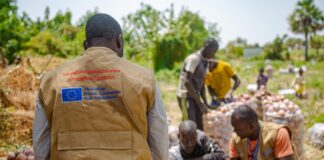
(71, 94)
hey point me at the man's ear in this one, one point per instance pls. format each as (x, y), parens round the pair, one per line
(252, 126)
(120, 45)
(85, 45)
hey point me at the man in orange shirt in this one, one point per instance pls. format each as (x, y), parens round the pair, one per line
(255, 140)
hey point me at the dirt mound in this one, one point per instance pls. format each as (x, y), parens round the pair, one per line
(16, 126)
(18, 87)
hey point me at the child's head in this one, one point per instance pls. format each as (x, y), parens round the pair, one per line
(261, 70)
(301, 71)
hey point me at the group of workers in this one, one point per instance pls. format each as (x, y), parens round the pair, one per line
(298, 83)
(252, 140)
(101, 106)
(201, 69)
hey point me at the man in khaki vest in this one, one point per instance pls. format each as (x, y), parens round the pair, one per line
(254, 140)
(100, 106)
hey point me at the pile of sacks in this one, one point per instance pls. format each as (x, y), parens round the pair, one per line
(217, 124)
(270, 108)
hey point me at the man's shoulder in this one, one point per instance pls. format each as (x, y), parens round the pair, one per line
(224, 64)
(270, 125)
(193, 57)
(235, 138)
(271, 129)
(202, 137)
(200, 133)
(174, 152)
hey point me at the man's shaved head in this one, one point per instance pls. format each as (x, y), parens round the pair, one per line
(245, 121)
(245, 113)
(188, 136)
(102, 30)
(211, 42)
(102, 26)
(187, 127)
(210, 48)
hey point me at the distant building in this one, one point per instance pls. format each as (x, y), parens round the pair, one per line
(252, 52)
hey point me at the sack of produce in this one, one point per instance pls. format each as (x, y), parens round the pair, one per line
(316, 134)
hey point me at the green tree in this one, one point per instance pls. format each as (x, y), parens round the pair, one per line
(46, 43)
(292, 44)
(47, 14)
(141, 32)
(234, 50)
(306, 18)
(275, 49)
(59, 19)
(317, 42)
(10, 30)
(236, 47)
(64, 42)
(183, 36)
(68, 32)
(162, 38)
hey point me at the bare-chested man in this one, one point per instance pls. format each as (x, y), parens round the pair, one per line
(191, 83)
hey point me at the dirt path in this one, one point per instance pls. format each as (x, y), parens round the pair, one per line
(312, 153)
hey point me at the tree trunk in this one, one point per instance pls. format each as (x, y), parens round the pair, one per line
(306, 46)
(2, 59)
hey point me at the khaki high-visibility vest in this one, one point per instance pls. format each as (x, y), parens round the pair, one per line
(96, 106)
(268, 134)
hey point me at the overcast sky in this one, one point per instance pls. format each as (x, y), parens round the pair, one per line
(258, 21)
